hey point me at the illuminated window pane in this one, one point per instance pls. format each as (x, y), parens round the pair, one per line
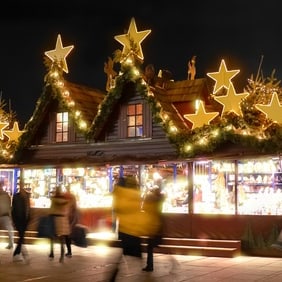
(139, 109)
(135, 120)
(131, 132)
(131, 121)
(62, 127)
(139, 131)
(139, 120)
(131, 110)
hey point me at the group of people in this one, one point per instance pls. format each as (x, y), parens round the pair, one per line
(15, 213)
(137, 216)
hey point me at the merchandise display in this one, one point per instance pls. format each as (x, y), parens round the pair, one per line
(217, 189)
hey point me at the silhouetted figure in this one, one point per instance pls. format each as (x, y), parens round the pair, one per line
(150, 74)
(21, 218)
(152, 206)
(192, 68)
(73, 218)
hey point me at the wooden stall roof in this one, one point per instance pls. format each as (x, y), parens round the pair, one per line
(86, 99)
(176, 96)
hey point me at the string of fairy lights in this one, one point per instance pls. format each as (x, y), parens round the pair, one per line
(237, 117)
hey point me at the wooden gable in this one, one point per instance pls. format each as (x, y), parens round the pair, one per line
(178, 98)
(106, 140)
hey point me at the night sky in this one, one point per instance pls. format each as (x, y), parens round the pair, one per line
(239, 32)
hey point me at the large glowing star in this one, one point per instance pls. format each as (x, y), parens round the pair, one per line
(231, 101)
(132, 40)
(59, 54)
(201, 117)
(14, 134)
(3, 125)
(273, 110)
(222, 77)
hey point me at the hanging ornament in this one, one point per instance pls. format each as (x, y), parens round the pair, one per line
(222, 77)
(132, 40)
(59, 54)
(201, 117)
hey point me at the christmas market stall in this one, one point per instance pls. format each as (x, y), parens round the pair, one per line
(215, 153)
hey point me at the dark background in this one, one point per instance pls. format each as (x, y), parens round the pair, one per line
(241, 32)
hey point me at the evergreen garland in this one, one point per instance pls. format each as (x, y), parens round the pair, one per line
(252, 130)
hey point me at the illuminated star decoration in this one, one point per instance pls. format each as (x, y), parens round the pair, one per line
(201, 117)
(132, 40)
(59, 54)
(14, 134)
(222, 77)
(2, 126)
(272, 110)
(231, 101)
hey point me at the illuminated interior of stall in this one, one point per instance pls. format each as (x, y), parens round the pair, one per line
(7, 179)
(92, 186)
(258, 187)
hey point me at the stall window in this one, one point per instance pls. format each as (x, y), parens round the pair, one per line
(260, 186)
(135, 120)
(7, 177)
(62, 127)
(214, 187)
(173, 181)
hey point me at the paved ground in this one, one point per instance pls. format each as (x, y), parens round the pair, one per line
(97, 263)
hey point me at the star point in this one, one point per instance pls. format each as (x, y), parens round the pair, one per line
(59, 54)
(222, 77)
(132, 40)
(3, 125)
(201, 117)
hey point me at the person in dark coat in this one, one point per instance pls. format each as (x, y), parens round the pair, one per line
(21, 217)
(152, 206)
(73, 218)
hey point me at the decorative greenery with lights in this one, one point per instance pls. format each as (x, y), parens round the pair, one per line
(9, 133)
(251, 131)
(247, 122)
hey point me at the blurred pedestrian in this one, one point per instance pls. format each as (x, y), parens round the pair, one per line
(73, 218)
(127, 210)
(21, 218)
(5, 214)
(59, 210)
(152, 207)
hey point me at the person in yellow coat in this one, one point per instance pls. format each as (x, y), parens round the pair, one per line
(127, 210)
(130, 222)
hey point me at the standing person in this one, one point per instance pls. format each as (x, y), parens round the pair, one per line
(5, 215)
(152, 206)
(73, 218)
(59, 210)
(21, 218)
